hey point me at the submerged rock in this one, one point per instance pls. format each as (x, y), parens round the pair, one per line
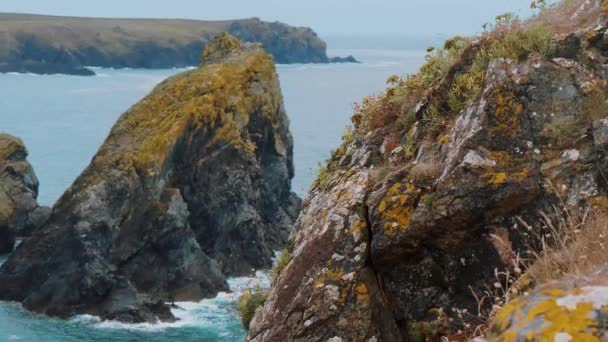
(191, 185)
(347, 59)
(392, 241)
(20, 214)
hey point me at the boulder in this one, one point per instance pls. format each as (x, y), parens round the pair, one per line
(571, 309)
(192, 185)
(20, 213)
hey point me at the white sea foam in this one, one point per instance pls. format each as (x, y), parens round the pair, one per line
(217, 313)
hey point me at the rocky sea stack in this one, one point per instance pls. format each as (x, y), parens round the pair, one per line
(192, 185)
(418, 224)
(20, 214)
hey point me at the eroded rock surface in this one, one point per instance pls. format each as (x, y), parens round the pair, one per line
(20, 213)
(393, 239)
(191, 185)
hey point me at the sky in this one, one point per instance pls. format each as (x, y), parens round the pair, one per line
(407, 18)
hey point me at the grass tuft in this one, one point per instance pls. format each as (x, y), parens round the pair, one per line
(249, 302)
(284, 259)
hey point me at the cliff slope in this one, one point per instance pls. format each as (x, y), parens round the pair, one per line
(48, 44)
(20, 214)
(441, 187)
(191, 185)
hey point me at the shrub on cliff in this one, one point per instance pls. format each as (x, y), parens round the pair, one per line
(284, 259)
(249, 301)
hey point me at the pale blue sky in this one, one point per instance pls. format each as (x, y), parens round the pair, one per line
(328, 17)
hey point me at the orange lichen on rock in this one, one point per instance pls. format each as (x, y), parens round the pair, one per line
(551, 313)
(362, 293)
(495, 178)
(507, 114)
(397, 207)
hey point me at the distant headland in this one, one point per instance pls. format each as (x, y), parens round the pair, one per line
(69, 45)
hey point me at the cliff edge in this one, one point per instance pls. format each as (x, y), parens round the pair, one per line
(417, 225)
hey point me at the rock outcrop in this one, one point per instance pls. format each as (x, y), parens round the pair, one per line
(20, 214)
(572, 309)
(411, 220)
(68, 45)
(191, 185)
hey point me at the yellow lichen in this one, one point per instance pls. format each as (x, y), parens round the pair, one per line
(343, 295)
(362, 293)
(319, 281)
(496, 178)
(217, 98)
(507, 114)
(334, 275)
(503, 318)
(397, 207)
(358, 227)
(577, 322)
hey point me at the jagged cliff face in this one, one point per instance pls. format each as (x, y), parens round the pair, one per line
(49, 45)
(191, 185)
(20, 214)
(393, 236)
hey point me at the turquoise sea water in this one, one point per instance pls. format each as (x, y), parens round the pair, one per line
(64, 119)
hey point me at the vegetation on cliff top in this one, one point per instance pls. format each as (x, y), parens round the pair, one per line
(417, 107)
(219, 96)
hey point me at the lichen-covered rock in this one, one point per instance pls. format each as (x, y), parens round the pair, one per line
(191, 185)
(572, 309)
(329, 289)
(20, 214)
(436, 218)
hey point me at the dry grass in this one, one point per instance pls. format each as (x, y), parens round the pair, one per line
(575, 243)
(425, 173)
(564, 18)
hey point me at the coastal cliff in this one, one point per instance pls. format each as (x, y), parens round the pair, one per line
(68, 45)
(192, 185)
(20, 213)
(418, 226)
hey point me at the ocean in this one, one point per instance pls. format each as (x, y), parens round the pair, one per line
(64, 119)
